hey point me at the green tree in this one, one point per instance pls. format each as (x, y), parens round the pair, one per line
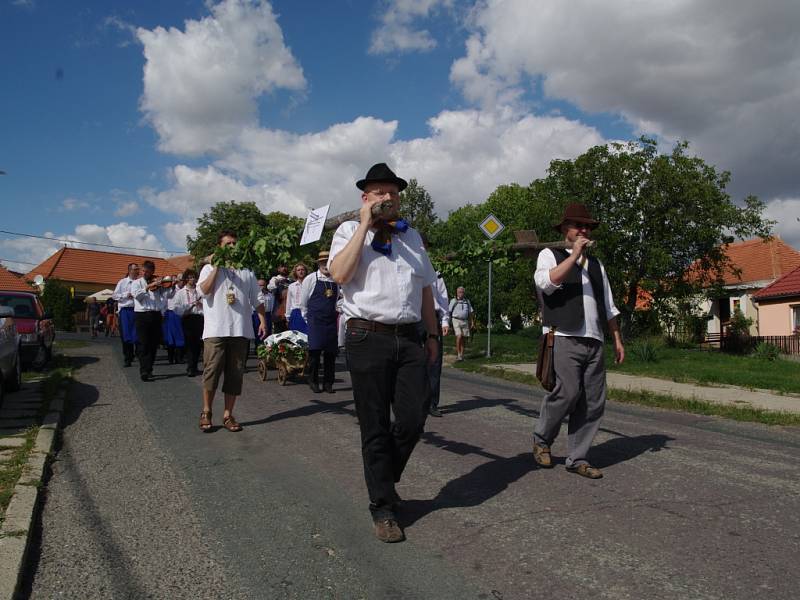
(666, 218)
(239, 217)
(57, 300)
(416, 206)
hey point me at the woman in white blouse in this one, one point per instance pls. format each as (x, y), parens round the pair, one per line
(190, 306)
(293, 299)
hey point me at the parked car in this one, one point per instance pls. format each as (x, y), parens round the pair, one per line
(10, 362)
(35, 327)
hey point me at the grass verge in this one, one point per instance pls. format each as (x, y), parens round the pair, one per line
(644, 398)
(54, 380)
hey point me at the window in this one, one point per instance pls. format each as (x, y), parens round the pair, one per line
(796, 318)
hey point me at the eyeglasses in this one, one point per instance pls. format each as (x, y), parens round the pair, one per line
(575, 225)
(382, 193)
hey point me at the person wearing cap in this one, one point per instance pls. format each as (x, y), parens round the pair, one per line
(318, 296)
(386, 278)
(575, 298)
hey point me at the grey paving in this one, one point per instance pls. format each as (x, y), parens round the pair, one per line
(141, 504)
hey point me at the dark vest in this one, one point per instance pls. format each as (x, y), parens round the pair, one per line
(564, 308)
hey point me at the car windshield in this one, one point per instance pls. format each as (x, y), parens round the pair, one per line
(23, 307)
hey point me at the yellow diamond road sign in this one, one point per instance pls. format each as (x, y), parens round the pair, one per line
(491, 226)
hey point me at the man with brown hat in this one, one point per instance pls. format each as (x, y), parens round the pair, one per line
(386, 278)
(318, 296)
(576, 300)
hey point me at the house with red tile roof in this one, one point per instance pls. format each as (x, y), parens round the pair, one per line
(754, 265)
(779, 306)
(10, 282)
(89, 271)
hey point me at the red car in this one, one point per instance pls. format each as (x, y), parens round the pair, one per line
(35, 327)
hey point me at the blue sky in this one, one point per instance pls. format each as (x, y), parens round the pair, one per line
(125, 121)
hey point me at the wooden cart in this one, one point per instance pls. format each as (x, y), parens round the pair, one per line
(286, 368)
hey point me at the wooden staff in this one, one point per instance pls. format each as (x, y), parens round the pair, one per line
(355, 215)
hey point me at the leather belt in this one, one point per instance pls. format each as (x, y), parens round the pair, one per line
(404, 329)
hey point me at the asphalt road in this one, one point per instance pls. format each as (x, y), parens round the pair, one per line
(141, 504)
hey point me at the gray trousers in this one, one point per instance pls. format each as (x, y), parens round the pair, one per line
(580, 393)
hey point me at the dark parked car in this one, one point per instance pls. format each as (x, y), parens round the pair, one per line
(34, 325)
(10, 363)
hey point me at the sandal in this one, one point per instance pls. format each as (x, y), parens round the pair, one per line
(205, 420)
(230, 424)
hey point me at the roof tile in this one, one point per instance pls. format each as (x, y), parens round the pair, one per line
(12, 283)
(788, 285)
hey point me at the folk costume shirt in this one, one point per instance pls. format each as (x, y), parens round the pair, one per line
(293, 296)
(185, 299)
(229, 320)
(121, 293)
(441, 300)
(592, 328)
(145, 300)
(386, 289)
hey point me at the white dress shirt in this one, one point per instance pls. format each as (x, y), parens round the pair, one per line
(229, 320)
(293, 297)
(171, 294)
(386, 289)
(441, 300)
(121, 293)
(592, 327)
(274, 281)
(267, 299)
(145, 300)
(309, 283)
(185, 301)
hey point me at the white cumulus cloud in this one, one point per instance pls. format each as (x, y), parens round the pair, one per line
(201, 83)
(397, 33)
(723, 74)
(126, 209)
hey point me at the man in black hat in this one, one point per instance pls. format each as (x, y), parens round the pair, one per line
(386, 279)
(576, 300)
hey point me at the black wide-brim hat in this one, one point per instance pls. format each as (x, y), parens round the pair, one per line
(579, 214)
(381, 173)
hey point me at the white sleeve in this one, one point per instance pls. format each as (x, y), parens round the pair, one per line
(541, 277)
(254, 293)
(343, 235)
(139, 289)
(306, 289)
(611, 309)
(204, 273)
(117, 295)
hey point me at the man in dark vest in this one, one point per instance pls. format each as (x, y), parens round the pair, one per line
(318, 296)
(576, 300)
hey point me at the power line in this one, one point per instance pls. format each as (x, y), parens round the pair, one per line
(44, 237)
(24, 262)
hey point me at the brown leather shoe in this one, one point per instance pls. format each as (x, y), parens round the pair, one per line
(387, 530)
(541, 454)
(586, 470)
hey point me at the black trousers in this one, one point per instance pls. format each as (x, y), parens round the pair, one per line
(389, 376)
(328, 369)
(129, 351)
(193, 337)
(148, 330)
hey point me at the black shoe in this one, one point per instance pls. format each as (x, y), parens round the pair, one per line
(126, 364)
(434, 412)
(328, 387)
(314, 387)
(189, 373)
(147, 377)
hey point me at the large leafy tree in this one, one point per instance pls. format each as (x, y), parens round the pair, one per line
(666, 218)
(416, 206)
(265, 240)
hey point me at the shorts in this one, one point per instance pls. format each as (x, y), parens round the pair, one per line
(460, 327)
(224, 356)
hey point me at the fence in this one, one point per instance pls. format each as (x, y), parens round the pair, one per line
(788, 344)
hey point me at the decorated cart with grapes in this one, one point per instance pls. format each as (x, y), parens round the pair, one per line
(285, 352)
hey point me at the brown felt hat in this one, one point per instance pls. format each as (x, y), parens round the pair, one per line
(579, 214)
(323, 256)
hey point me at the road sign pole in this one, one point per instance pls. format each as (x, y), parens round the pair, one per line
(489, 316)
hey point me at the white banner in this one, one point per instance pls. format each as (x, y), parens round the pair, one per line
(315, 222)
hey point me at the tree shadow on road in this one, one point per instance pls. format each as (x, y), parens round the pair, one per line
(480, 402)
(471, 489)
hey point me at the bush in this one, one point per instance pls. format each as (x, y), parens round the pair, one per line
(644, 351)
(534, 332)
(57, 300)
(766, 351)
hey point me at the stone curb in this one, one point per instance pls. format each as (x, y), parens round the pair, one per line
(17, 529)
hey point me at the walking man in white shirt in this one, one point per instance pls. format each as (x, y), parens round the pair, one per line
(149, 304)
(461, 313)
(122, 294)
(576, 299)
(386, 280)
(229, 298)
